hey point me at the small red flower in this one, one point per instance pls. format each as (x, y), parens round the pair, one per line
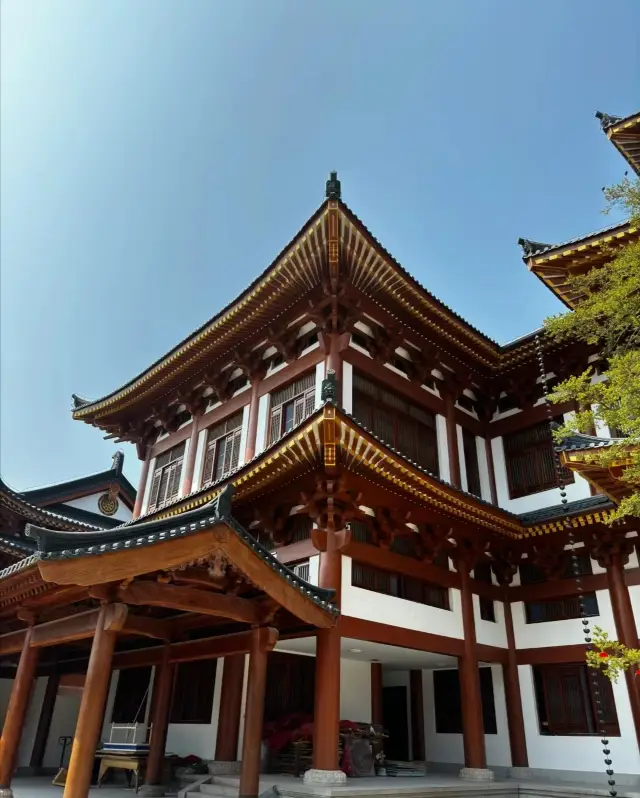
(603, 654)
(638, 672)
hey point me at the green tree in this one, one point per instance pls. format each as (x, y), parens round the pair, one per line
(608, 315)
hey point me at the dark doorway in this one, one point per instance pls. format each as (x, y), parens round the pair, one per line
(396, 722)
(290, 685)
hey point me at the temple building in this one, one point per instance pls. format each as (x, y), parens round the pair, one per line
(349, 526)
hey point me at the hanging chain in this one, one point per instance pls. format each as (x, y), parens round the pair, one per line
(586, 624)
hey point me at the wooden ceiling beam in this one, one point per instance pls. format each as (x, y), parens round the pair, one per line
(208, 648)
(147, 627)
(188, 599)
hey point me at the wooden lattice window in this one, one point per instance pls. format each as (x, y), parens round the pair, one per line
(399, 585)
(530, 461)
(291, 404)
(223, 449)
(561, 609)
(471, 462)
(565, 698)
(192, 700)
(165, 483)
(404, 426)
(132, 694)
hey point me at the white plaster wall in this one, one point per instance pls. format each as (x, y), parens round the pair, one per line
(464, 482)
(200, 455)
(63, 724)
(30, 727)
(439, 747)
(360, 603)
(554, 752)
(534, 501)
(147, 487)
(108, 707)
(263, 414)
(355, 691)
(347, 387)
(483, 466)
(443, 451)
(243, 434)
(487, 632)
(634, 593)
(187, 446)
(197, 738)
(90, 504)
(449, 748)
(314, 569)
(319, 378)
(497, 745)
(559, 633)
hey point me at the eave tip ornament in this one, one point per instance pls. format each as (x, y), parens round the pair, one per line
(333, 189)
(530, 247)
(329, 391)
(606, 120)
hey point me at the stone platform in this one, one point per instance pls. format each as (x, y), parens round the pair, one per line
(431, 786)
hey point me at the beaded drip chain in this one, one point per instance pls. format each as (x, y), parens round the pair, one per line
(576, 572)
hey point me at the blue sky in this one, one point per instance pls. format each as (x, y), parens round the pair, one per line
(157, 155)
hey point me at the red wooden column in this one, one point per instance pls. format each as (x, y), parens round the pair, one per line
(252, 432)
(625, 623)
(160, 710)
(17, 713)
(473, 728)
(452, 436)
(376, 693)
(144, 474)
(515, 718)
(254, 712)
(326, 714)
(187, 481)
(91, 710)
(230, 709)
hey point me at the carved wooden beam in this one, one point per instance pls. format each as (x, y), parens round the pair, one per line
(187, 599)
(147, 627)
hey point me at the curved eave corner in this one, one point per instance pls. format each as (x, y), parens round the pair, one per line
(68, 558)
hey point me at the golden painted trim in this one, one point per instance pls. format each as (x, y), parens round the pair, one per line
(94, 408)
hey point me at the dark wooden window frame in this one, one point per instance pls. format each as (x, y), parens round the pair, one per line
(165, 481)
(290, 405)
(448, 701)
(564, 608)
(472, 465)
(390, 583)
(222, 449)
(567, 689)
(402, 423)
(530, 461)
(193, 687)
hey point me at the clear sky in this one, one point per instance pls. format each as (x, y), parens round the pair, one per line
(157, 154)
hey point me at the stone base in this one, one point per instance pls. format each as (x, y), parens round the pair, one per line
(477, 774)
(218, 767)
(326, 777)
(522, 774)
(6, 792)
(152, 790)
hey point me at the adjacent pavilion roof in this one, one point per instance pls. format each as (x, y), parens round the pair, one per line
(60, 492)
(554, 263)
(576, 453)
(625, 136)
(208, 534)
